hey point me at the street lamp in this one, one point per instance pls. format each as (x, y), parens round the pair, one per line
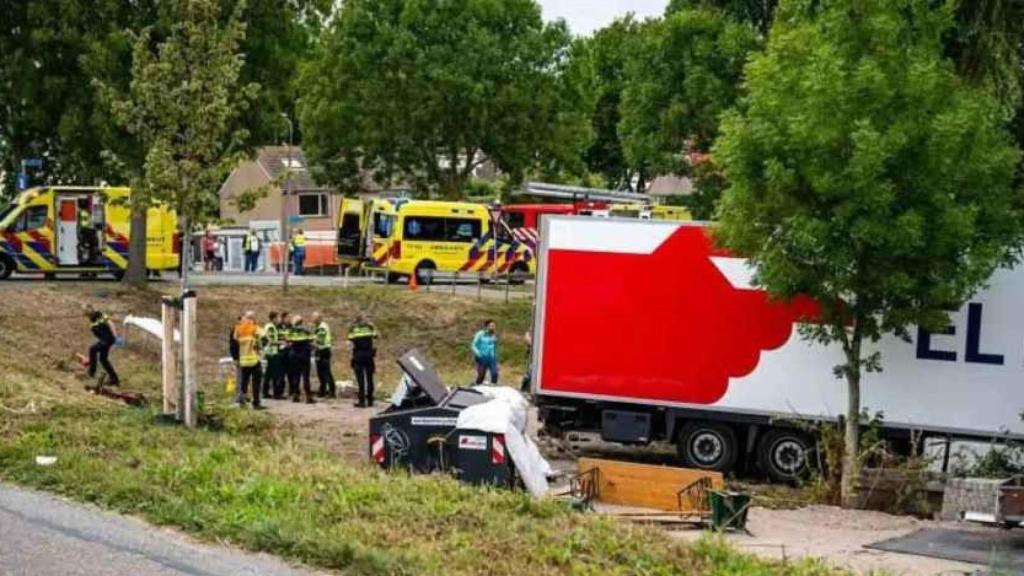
(284, 205)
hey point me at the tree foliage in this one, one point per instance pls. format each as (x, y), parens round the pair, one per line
(182, 104)
(54, 49)
(609, 51)
(864, 172)
(424, 90)
(687, 72)
(758, 13)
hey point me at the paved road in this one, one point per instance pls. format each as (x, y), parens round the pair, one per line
(41, 535)
(468, 289)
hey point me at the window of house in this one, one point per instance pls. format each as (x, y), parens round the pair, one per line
(312, 204)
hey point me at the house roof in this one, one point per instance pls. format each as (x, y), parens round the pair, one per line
(274, 160)
(670, 186)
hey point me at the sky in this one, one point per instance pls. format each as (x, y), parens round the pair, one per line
(585, 16)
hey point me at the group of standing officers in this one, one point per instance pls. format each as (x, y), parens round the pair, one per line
(288, 347)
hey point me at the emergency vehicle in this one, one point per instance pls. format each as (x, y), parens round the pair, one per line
(421, 236)
(523, 220)
(721, 370)
(67, 229)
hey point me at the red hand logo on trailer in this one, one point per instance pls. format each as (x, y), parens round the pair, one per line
(604, 309)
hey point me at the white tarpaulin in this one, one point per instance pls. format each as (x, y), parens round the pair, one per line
(151, 326)
(506, 414)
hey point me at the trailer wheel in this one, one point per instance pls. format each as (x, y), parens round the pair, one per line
(707, 446)
(6, 266)
(785, 455)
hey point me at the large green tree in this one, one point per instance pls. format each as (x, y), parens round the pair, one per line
(53, 50)
(759, 13)
(864, 172)
(182, 105)
(424, 90)
(609, 51)
(686, 73)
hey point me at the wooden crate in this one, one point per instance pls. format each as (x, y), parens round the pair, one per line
(644, 485)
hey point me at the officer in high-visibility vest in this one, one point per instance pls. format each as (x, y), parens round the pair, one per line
(273, 377)
(362, 336)
(247, 334)
(251, 248)
(323, 341)
(299, 251)
(106, 337)
(301, 341)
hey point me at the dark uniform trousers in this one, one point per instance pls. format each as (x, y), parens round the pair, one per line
(323, 372)
(364, 368)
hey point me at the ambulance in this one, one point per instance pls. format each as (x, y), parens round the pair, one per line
(72, 229)
(422, 236)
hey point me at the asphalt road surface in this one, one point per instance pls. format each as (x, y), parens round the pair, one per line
(41, 535)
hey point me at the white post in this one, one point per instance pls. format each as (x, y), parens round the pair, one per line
(188, 344)
(169, 356)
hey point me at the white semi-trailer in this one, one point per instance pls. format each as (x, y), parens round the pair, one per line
(646, 331)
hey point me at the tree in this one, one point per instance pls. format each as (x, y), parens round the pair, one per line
(609, 50)
(426, 90)
(865, 173)
(759, 13)
(687, 72)
(184, 98)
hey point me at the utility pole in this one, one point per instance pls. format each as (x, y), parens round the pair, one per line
(284, 206)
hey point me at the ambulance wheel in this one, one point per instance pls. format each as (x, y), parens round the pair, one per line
(6, 267)
(518, 273)
(425, 272)
(786, 456)
(707, 446)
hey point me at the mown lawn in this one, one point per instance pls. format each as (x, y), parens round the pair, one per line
(260, 484)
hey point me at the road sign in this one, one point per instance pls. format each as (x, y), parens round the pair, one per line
(295, 219)
(32, 163)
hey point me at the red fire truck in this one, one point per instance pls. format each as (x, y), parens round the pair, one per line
(646, 331)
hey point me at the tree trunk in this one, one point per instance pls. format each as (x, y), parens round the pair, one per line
(135, 275)
(851, 452)
(186, 252)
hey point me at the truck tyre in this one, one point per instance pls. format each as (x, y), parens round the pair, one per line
(707, 446)
(6, 266)
(785, 455)
(425, 272)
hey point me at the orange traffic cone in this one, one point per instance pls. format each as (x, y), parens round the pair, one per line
(413, 281)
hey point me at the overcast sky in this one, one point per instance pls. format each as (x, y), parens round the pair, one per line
(585, 16)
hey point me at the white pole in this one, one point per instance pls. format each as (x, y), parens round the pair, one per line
(188, 341)
(169, 356)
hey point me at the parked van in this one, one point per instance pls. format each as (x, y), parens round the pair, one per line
(423, 236)
(64, 229)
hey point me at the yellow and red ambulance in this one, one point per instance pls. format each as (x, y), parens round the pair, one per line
(75, 229)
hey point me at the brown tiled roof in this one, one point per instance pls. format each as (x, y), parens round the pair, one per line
(274, 159)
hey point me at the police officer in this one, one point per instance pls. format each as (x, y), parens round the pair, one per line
(299, 251)
(248, 338)
(323, 341)
(86, 234)
(301, 341)
(362, 336)
(273, 377)
(106, 337)
(251, 248)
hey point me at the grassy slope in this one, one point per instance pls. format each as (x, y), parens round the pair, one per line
(265, 486)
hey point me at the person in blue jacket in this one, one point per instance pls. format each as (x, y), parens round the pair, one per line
(485, 352)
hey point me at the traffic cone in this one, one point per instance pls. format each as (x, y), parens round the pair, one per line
(414, 283)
